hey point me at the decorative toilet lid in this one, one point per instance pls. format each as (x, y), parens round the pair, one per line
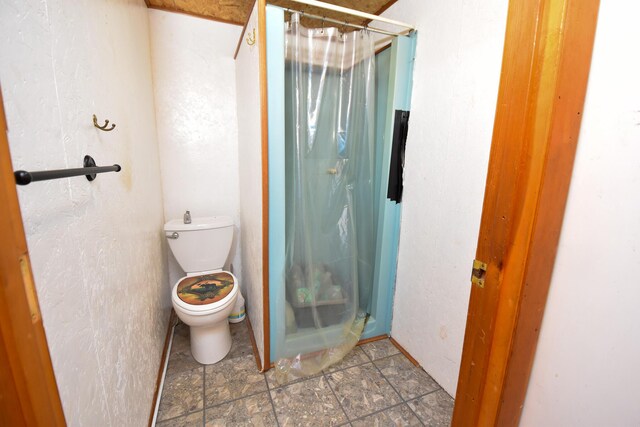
(205, 289)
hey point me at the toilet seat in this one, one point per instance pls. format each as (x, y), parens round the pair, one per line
(205, 293)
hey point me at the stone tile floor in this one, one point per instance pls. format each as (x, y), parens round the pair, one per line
(375, 385)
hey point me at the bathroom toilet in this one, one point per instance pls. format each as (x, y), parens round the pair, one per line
(206, 296)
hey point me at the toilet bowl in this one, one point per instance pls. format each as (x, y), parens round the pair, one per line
(206, 316)
(206, 296)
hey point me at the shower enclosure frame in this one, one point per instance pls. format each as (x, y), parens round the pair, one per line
(388, 227)
(521, 41)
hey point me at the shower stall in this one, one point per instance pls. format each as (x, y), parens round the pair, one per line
(337, 112)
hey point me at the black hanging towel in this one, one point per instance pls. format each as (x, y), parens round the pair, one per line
(396, 167)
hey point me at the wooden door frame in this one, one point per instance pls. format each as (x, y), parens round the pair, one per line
(547, 57)
(28, 390)
(264, 143)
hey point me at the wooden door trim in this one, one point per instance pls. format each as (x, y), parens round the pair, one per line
(545, 68)
(264, 123)
(28, 390)
(173, 317)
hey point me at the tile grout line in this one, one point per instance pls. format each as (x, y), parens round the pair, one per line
(204, 405)
(234, 400)
(381, 410)
(366, 354)
(184, 371)
(419, 397)
(402, 399)
(347, 367)
(325, 374)
(179, 416)
(186, 414)
(273, 405)
(336, 397)
(413, 398)
(439, 387)
(326, 377)
(386, 379)
(299, 380)
(426, 394)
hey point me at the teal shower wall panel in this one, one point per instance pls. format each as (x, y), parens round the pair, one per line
(400, 82)
(383, 62)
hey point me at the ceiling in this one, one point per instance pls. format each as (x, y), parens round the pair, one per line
(237, 11)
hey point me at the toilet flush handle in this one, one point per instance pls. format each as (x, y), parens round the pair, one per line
(173, 235)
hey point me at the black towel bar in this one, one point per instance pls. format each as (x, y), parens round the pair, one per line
(90, 170)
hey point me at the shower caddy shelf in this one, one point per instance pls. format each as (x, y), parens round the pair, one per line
(329, 311)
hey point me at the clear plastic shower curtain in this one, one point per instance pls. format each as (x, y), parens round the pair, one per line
(330, 232)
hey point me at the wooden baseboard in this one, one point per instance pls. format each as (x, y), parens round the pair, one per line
(167, 340)
(405, 352)
(255, 347)
(372, 339)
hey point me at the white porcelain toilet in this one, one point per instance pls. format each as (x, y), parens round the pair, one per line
(206, 296)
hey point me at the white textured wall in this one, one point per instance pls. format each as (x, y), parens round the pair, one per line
(96, 248)
(586, 369)
(249, 148)
(195, 98)
(457, 71)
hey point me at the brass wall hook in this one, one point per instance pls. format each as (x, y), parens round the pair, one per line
(103, 127)
(251, 38)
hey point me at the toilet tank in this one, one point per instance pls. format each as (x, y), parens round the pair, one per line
(202, 245)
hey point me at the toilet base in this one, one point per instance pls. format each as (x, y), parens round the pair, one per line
(210, 343)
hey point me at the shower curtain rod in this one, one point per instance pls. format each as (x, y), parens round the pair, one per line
(353, 12)
(348, 24)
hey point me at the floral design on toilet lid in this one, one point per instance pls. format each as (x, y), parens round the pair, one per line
(205, 289)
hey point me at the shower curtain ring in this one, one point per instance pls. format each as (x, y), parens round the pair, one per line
(322, 30)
